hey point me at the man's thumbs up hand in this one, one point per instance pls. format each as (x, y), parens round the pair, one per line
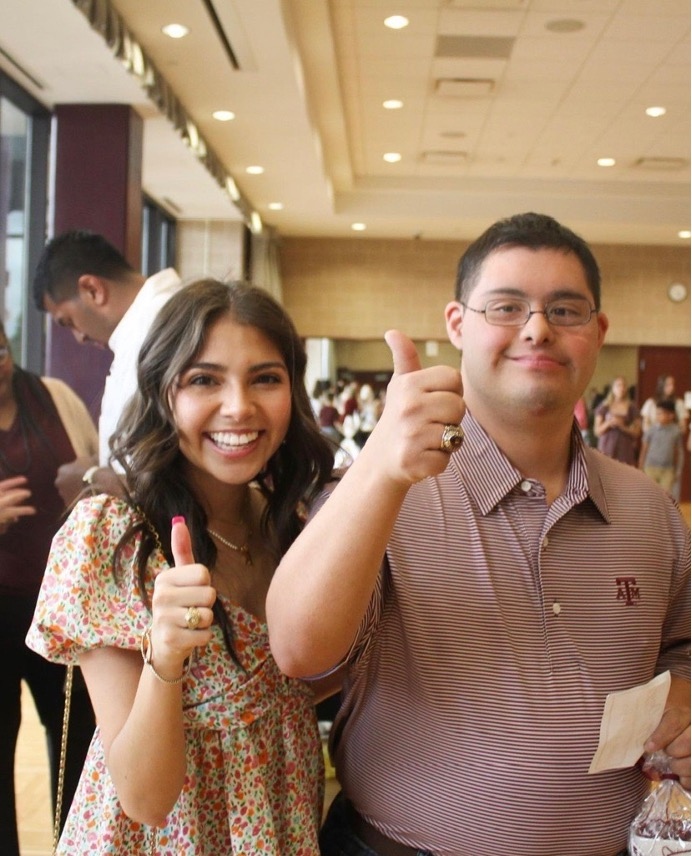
(405, 444)
(404, 354)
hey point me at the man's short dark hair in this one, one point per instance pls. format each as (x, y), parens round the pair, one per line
(71, 255)
(534, 231)
(666, 404)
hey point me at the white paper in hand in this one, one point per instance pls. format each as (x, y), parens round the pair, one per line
(629, 717)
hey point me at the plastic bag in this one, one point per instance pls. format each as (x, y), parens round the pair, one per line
(662, 827)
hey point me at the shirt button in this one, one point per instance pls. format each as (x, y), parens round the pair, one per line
(557, 609)
(525, 486)
(544, 542)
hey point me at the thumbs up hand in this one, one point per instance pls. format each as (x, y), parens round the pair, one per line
(181, 606)
(420, 402)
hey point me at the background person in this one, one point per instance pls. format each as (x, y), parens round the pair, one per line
(88, 286)
(483, 600)
(665, 390)
(617, 425)
(206, 740)
(661, 452)
(42, 425)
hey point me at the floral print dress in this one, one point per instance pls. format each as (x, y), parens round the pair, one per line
(254, 782)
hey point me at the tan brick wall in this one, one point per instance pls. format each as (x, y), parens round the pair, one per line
(358, 288)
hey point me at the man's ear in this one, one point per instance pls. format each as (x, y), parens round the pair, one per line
(454, 316)
(92, 289)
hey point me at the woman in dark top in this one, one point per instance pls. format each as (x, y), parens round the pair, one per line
(35, 418)
(617, 425)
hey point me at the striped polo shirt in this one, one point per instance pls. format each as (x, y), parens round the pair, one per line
(475, 689)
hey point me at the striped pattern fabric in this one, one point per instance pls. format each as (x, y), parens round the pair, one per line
(476, 687)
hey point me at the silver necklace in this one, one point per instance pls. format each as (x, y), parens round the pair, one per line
(244, 550)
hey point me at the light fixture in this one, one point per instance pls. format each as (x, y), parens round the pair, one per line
(276, 206)
(392, 157)
(606, 161)
(223, 115)
(655, 112)
(232, 189)
(358, 227)
(255, 223)
(393, 104)
(684, 233)
(254, 170)
(175, 31)
(396, 22)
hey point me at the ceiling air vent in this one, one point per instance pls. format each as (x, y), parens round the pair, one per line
(665, 164)
(473, 47)
(444, 158)
(464, 87)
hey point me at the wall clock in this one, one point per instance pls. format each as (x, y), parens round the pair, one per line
(677, 291)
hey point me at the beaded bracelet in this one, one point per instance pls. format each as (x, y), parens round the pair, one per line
(147, 651)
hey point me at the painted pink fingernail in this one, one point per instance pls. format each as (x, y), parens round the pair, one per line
(177, 520)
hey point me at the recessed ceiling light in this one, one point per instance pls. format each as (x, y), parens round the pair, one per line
(223, 115)
(655, 112)
(254, 170)
(358, 227)
(276, 206)
(175, 31)
(392, 157)
(684, 233)
(396, 22)
(565, 25)
(393, 104)
(606, 161)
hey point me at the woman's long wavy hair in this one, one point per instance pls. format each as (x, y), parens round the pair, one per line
(146, 441)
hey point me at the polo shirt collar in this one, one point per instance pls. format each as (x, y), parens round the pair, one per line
(489, 476)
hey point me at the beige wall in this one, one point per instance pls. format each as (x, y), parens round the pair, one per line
(352, 290)
(358, 288)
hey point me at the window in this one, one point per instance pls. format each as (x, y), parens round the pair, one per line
(158, 238)
(24, 129)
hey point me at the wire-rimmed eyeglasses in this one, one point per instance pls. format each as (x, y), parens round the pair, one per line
(4, 353)
(515, 312)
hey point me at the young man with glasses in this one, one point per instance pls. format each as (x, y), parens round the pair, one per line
(485, 588)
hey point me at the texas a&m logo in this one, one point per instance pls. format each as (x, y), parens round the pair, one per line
(628, 590)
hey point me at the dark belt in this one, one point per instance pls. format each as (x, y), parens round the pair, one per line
(375, 839)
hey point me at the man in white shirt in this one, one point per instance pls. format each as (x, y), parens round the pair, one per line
(89, 287)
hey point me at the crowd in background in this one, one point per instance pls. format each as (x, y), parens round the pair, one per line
(347, 412)
(652, 436)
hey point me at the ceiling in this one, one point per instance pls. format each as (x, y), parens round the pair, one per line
(507, 106)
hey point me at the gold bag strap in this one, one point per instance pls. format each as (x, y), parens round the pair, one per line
(63, 758)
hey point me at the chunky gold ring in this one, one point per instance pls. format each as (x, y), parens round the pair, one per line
(192, 617)
(452, 438)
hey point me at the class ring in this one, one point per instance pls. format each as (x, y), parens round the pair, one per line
(192, 617)
(452, 438)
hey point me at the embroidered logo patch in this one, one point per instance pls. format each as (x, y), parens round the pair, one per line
(628, 590)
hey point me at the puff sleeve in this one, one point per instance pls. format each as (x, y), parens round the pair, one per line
(81, 604)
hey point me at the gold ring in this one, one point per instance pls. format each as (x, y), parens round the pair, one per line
(192, 617)
(452, 438)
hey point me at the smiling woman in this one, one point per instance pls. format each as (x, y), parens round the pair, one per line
(220, 450)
